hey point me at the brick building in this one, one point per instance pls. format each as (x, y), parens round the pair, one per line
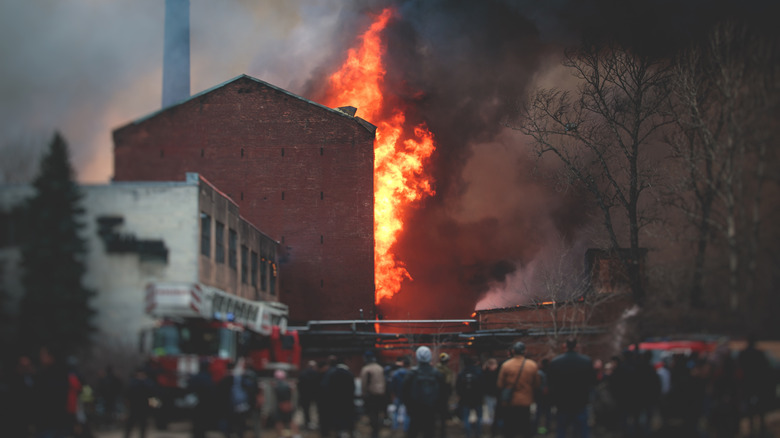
(301, 172)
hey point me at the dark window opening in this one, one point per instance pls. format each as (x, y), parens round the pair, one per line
(253, 265)
(322, 151)
(232, 248)
(244, 264)
(201, 153)
(282, 151)
(242, 152)
(282, 196)
(272, 286)
(219, 236)
(322, 195)
(263, 273)
(322, 238)
(162, 153)
(205, 234)
(242, 196)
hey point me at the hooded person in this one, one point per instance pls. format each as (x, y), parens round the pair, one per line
(423, 395)
(444, 413)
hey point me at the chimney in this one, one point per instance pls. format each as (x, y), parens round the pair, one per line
(176, 55)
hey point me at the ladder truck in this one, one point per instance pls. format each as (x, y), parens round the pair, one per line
(198, 325)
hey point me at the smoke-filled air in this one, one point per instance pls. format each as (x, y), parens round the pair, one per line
(476, 217)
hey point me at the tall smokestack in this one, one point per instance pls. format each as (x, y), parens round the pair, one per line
(176, 55)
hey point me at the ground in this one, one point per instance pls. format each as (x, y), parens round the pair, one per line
(182, 430)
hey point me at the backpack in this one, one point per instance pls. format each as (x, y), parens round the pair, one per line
(238, 396)
(425, 389)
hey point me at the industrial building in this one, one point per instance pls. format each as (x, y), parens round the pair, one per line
(301, 172)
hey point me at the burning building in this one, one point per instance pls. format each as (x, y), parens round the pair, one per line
(299, 170)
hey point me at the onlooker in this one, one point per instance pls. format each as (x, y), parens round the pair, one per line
(400, 416)
(757, 385)
(204, 388)
(338, 386)
(543, 416)
(519, 375)
(284, 406)
(443, 412)
(237, 393)
(571, 378)
(323, 401)
(139, 390)
(490, 377)
(470, 388)
(21, 398)
(308, 382)
(109, 390)
(372, 379)
(51, 396)
(422, 394)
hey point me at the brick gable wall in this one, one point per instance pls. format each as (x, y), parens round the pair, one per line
(301, 173)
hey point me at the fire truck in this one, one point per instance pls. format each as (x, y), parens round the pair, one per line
(197, 325)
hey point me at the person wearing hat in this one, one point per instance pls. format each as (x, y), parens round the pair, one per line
(449, 380)
(422, 395)
(519, 378)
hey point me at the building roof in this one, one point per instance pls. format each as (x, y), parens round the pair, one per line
(342, 111)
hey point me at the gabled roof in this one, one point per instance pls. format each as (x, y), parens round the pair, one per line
(370, 127)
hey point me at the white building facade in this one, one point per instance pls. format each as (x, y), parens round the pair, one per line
(144, 233)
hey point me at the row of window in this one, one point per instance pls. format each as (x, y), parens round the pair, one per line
(203, 152)
(251, 263)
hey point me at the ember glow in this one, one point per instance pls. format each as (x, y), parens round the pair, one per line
(399, 159)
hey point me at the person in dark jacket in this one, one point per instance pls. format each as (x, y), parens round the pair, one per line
(490, 377)
(204, 388)
(571, 378)
(470, 388)
(308, 383)
(20, 403)
(338, 398)
(422, 393)
(139, 390)
(51, 396)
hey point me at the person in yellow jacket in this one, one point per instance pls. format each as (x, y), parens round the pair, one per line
(520, 376)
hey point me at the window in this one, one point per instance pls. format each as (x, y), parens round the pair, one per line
(273, 279)
(244, 264)
(220, 242)
(205, 234)
(232, 248)
(253, 265)
(263, 273)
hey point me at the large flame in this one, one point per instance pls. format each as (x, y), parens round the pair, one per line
(399, 173)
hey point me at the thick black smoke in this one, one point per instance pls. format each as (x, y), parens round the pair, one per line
(460, 67)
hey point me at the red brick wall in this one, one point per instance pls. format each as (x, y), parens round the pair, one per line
(300, 172)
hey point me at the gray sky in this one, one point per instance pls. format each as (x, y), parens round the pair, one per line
(86, 67)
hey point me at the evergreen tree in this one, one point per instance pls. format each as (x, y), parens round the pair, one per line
(55, 308)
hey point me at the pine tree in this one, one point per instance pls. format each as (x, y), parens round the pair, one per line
(55, 308)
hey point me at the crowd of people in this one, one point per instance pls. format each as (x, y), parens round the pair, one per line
(631, 395)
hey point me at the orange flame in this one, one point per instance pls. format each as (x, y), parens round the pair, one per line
(399, 177)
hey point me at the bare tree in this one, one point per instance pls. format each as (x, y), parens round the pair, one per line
(568, 305)
(604, 135)
(725, 106)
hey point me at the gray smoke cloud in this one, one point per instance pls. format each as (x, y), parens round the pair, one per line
(86, 67)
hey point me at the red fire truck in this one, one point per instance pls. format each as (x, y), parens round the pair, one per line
(197, 324)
